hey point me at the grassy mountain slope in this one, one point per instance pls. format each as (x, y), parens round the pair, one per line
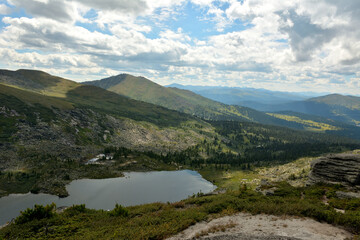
(83, 120)
(186, 101)
(71, 93)
(105, 101)
(34, 98)
(37, 81)
(142, 89)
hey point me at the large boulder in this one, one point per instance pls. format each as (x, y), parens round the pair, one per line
(341, 168)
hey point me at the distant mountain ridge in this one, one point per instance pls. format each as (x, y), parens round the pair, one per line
(332, 106)
(245, 96)
(351, 102)
(140, 88)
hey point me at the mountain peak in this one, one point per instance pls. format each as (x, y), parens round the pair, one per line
(332, 95)
(349, 102)
(334, 98)
(33, 71)
(124, 82)
(108, 82)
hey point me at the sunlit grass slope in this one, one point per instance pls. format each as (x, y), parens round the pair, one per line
(308, 124)
(39, 87)
(318, 124)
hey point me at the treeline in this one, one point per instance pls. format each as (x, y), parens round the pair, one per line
(250, 157)
(261, 144)
(245, 145)
(264, 133)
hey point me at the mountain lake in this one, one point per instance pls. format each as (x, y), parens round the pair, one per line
(133, 189)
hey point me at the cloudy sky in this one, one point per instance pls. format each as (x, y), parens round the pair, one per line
(293, 45)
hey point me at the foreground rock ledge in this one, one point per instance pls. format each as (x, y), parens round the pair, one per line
(244, 226)
(341, 168)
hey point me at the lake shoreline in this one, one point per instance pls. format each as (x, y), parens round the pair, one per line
(54, 182)
(134, 188)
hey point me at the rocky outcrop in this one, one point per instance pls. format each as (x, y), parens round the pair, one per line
(347, 195)
(266, 188)
(78, 134)
(337, 169)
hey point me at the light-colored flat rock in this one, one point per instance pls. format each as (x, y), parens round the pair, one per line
(247, 226)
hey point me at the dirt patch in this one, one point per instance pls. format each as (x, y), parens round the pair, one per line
(247, 226)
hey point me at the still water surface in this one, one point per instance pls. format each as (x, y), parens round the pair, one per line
(133, 189)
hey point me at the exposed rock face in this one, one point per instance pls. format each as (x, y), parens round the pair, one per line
(347, 195)
(337, 169)
(79, 133)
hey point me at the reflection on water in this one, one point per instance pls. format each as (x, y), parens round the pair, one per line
(133, 189)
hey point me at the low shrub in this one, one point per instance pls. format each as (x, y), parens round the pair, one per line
(180, 204)
(119, 211)
(346, 204)
(75, 209)
(315, 192)
(38, 212)
(79, 208)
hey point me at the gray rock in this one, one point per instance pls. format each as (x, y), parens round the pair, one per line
(266, 188)
(269, 192)
(336, 169)
(264, 183)
(347, 195)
